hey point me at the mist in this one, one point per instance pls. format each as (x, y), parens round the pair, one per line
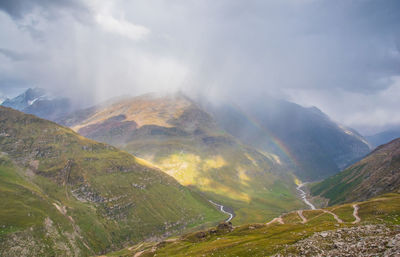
(341, 56)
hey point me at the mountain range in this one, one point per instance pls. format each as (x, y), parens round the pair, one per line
(135, 170)
(304, 139)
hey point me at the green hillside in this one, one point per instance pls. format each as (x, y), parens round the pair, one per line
(184, 141)
(376, 174)
(65, 195)
(319, 234)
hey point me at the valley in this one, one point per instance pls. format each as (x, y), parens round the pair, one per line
(362, 227)
(179, 137)
(165, 172)
(199, 128)
(303, 196)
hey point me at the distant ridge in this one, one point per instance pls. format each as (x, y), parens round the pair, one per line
(376, 174)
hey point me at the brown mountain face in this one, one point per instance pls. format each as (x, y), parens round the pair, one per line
(183, 140)
(376, 174)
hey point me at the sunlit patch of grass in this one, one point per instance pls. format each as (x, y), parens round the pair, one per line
(243, 177)
(214, 162)
(233, 180)
(183, 167)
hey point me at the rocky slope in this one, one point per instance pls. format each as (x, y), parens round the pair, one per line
(314, 145)
(376, 174)
(186, 142)
(65, 195)
(367, 240)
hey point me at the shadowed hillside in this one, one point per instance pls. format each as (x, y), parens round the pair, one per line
(376, 174)
(306, 138)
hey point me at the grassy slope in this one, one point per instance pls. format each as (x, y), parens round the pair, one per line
(265, 240)
(121, 200)
(376, 174)
(185, 142)
(233, 175)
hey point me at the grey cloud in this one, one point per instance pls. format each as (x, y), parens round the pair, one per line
(18, 8)
(224, 49)
(15, 56)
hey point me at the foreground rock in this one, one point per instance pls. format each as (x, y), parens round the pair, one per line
(367, 240)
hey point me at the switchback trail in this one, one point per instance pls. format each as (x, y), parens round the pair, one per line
(355, 214)
(221, 208)
(279, 220)
(300, 213)
(334, 216)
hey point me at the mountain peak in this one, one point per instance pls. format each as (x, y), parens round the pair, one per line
(37, 101)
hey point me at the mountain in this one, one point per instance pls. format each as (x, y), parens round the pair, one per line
(376, 174)
(38, 102)
(316, 146)
(367, 228)
(65, 195)
(383, 137)
(179, 137)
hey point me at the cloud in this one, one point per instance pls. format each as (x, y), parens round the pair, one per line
(366, 112)
(19, 8)
(122, 27)
(313, 52)
(12, 55)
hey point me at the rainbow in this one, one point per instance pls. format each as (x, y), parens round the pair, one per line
(272, 138)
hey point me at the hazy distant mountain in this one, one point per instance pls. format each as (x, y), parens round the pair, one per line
(383, 137)
(2, 99)
(38, 102)
(376, 174)
(178, 136)
(315, 145)
(65, 195)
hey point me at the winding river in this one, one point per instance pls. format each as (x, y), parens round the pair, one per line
(221, 208)
(303, 196)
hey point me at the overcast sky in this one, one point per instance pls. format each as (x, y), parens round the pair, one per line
(341, 56)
